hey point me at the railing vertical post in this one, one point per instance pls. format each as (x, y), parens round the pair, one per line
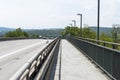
(27, 77)
(104, 44)
(113, 46)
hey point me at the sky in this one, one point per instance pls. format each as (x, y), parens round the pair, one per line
(42, 14)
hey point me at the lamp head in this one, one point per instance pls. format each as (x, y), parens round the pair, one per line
(79, 14)
(73, 20)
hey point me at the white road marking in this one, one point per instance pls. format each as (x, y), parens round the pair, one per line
(19, 50)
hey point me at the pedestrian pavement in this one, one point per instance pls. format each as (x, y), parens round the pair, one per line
(73, 65)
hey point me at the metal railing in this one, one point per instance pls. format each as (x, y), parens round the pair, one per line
(104, 43)
(105, 58)
(45, 73)
(38, 64)
(14, 38)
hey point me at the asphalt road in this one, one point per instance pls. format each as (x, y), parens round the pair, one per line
(14, 54)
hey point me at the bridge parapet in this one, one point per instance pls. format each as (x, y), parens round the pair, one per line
(105, 58)
(14, 38)
(38, 64)
(103, 43)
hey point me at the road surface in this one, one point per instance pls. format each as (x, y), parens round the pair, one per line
(14, 54)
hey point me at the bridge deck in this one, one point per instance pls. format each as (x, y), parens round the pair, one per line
(75, 66)
(14, 54)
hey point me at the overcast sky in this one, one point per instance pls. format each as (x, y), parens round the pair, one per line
(42, 14)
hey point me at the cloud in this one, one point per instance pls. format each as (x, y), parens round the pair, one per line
(56, 13)
(110, 12)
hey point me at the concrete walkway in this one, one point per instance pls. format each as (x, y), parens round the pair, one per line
(73, 65)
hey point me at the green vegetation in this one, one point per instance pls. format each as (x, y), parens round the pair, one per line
(33, 33)
(34, 36)
(116, 33)
(113, 36)
(75, 31)
(88, 33)
(105, 37)
(50, 33)
(17, 33)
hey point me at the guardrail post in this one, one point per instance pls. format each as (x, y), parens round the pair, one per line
(27, 77)
(104, 44)
(114, 46)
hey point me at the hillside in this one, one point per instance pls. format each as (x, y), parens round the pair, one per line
(51, 32)
(42, 32)
(3, 30)
(107, 30)
(45, 32)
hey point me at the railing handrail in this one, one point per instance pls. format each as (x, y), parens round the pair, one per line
(107, 59)
(15, 38)
(28, 65)
(47, 64)
(100, 41)
(112, 43)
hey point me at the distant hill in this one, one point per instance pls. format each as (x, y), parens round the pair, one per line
(51, 32)
(107, 30)
(3, 30)
(45, 32)
(42, 32)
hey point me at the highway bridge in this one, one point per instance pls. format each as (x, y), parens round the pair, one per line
(15, 53)
(59, 59)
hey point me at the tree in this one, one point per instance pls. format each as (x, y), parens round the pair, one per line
(74, 31)
(17, 33)
(10, 34)
(35, 36)
(115, 32)
(105, 37)
(88, 33)
(25, 34)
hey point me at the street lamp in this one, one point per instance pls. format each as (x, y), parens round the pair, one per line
(71, 25)
(98, 22)
(74, 22)
(80, 24)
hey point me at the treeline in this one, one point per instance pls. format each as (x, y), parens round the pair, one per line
(75, 31)
(34, 33)
(114, 35)
(17, 33)
(50, 33)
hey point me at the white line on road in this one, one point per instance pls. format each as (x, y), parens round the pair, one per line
(20, 50)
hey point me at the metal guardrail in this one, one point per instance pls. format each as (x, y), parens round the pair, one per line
(105, 58)
(36, 64)
(13, 38)
(45, 73)
(104, 43)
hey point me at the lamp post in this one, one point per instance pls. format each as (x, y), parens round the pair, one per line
(74, 22)
(80, 24)
(71, 25)
(98, 21)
